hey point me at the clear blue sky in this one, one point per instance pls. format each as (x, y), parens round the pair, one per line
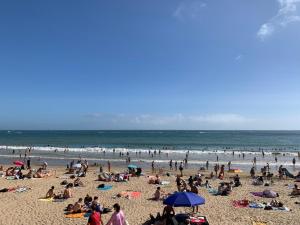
(171, 64)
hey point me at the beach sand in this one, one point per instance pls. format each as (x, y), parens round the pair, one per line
(25, 208)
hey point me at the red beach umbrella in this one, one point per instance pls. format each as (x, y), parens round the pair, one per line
(18, 163)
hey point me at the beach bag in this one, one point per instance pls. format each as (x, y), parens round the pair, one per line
(101, 185)
(64, 182)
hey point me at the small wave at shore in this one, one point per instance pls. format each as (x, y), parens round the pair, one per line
(250, 151)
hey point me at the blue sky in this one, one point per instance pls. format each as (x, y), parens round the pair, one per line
(172, 64)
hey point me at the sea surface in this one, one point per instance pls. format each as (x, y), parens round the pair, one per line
(143, 146)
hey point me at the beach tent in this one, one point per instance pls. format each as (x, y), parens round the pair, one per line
(131, 166)
(18, 163)
(184, 199)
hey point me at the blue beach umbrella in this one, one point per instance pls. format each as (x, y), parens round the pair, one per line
(132, 166)
(184, 199)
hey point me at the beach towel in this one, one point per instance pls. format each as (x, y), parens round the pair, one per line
(257, 194)
(256, 205)
(21, 189)
(105, 188)
(46, 199)
(75, 215)
(281, 208)
(240, 203)
(130, 194)
(212, 191)
(87, 214)
(165, 182)
(10, 178)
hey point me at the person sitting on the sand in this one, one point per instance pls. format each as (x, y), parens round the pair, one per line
(296, 190)
(39, 173)
(97, 205)
(78, 182)
(168, 214)
(236, 181)
(10, 171)
(19, 174)
(207, 184)
(88, 200)
(50, 193)
(67, 192)
(258, 181)
(157, 194)
(157, 179)
(29, 174)
(78, 206)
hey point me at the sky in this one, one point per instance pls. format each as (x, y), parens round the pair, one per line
(171, 64)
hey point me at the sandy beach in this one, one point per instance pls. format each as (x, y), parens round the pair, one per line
(26, 209)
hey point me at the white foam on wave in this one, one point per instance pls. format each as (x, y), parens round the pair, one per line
(216, 151)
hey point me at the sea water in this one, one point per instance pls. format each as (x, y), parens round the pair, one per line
(59, 147)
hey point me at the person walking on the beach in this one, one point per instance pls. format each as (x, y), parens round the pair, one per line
(243, 155)
(108, 166)
(276, 159)
(207, 164)
(181, 169)
(117, 217)
(176, 166)
(217, 158)
(95, 217)
(229, 165)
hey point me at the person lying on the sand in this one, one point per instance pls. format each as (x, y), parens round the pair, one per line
(296, 190)
(50, 193)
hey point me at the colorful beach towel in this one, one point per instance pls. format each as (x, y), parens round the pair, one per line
(75, 215)
(130, 194)
(105, 188)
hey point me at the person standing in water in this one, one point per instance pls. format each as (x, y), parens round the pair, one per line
(108, 166)
(294, 162)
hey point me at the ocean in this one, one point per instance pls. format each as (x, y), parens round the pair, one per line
(59, 147)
